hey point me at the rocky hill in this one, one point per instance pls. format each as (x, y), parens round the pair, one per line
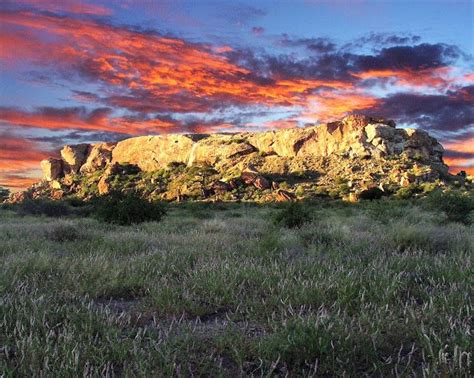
(357, 157)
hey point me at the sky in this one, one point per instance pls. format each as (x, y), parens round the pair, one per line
(82, 71)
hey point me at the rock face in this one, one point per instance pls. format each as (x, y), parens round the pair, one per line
(52, 169)
(99, 157)
(358, 150)
(354, 136)
(74, 157)
(153, 152)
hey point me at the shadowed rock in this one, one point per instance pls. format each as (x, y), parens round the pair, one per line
(52, 169)
(74, 157)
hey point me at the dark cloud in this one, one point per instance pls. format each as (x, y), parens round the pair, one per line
(316, 45)
(458, 154)
(340, 65)
(377, 40)
(258, 30)
(85, 96)
(416, 57)
(80, 137)
(439, 113)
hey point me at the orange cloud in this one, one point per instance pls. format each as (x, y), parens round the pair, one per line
(326, 105)
(430, 77)
(16, 182)
(174, 74)
(468, 78)
(464, 162)
(19, 158)
(465, 145)
(17, 153)
(67, 6)
(80, 119)
(459, 164)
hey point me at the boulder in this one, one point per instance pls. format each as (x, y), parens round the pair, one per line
(152, 153)
(220, 187)
(407, 179)
(52, 169)
(99, 156)
(74, 157)
(353, 197)
(356, 121)
(420, 145)
(218, 148)
(284, 196)
(234, 183)
(56, 194)
(255, 179)
(18, 197)
(371, 193)
(103, 185)
(261, 183)
(55, 184)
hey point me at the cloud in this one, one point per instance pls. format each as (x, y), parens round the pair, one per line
(59, 118)
(19, 157)
(316, 45)
(81, 122)
(377, 40)
(329, 106)
(422, 64)
(19, 152)
(75, 7)
(258, 30)
(144, 70)
(442, 114)
(459, 154)
(415, 57)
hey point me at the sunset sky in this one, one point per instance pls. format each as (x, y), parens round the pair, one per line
(75, 71)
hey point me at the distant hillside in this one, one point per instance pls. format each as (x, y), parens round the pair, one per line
(357, 157)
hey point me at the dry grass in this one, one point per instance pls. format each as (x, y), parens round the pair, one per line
(360, 290)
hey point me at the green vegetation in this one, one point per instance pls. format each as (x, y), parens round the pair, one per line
(45, 207)
(408, 191)
(127, 209)
(4, 193)
(293, 215)
(378, 288)
(457, 206)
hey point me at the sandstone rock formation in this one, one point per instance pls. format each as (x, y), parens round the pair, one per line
(99, 157)
(52, 168)
(74, 157)
(343, 158)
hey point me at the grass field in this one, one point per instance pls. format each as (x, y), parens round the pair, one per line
(379, 288)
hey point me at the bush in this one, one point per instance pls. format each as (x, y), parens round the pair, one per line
(126, 209)
(75, 202)
(4, 194)
(371, 194)
(45, 207)
(408, 191)
(62, 233)
(387, 211)
(294, 215)
(458, 206)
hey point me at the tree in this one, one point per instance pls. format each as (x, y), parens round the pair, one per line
(4, 194)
